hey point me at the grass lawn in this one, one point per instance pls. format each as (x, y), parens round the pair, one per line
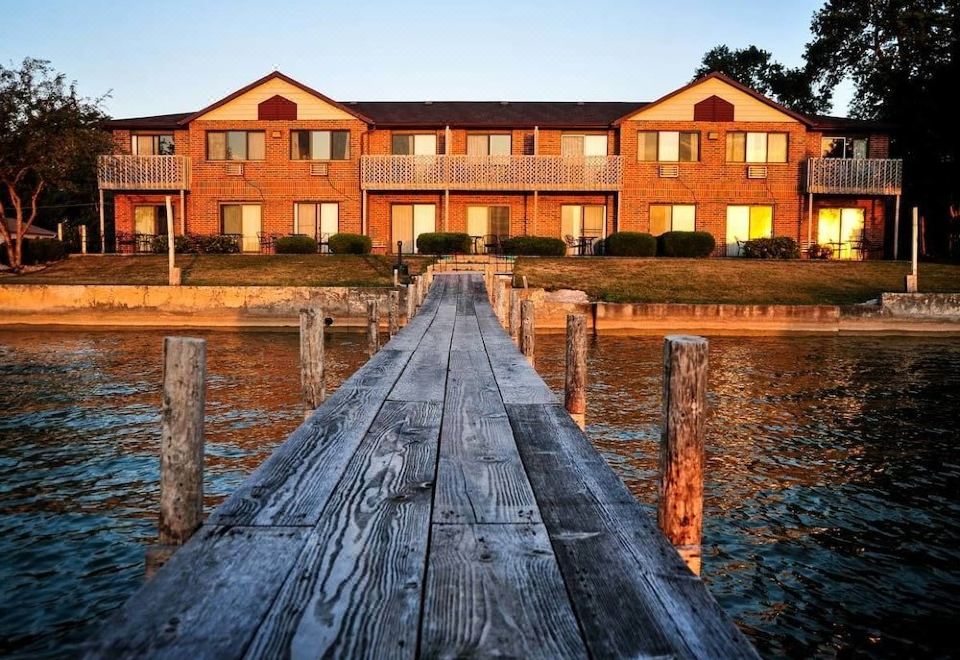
(736, 281)
(224, 269)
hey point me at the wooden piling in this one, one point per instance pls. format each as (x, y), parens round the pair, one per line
(411, 306)
(527, 327)
(181, 438)
(373, 328)
(515, 315)
(393, 314)
(575, 383)
(680, 506)
(312, 383)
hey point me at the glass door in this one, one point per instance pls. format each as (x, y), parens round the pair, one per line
(745, 223)
(841, 229)
(250, 227)
(408, 221)
(580, 222)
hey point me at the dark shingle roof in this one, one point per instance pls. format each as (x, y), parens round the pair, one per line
(830, 123)
(495, 114)
(148, 123)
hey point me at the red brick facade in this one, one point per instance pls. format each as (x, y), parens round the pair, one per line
(711, 184)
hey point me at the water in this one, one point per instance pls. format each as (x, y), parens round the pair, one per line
(833, 487)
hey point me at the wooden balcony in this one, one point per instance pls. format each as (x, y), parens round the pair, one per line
(143, 172)
(855, 176)
(499, 173)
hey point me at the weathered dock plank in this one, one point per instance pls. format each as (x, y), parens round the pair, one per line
(425, 377)
(355, 591)
(495, 591)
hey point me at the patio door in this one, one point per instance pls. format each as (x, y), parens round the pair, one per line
(582, 221)
(842, 229)
(408, 221)
(245, 220)
(745, 223)
(319, 221)
(488, 221)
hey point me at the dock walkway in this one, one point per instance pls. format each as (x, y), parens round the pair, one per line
(441, 503)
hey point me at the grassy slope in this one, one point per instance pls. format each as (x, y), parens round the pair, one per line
(210, 270)
(736, 281)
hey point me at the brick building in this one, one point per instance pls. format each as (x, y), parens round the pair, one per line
(277, 157)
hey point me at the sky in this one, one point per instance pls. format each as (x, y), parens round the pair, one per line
(179, 56)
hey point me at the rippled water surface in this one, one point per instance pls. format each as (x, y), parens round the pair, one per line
(833, 482)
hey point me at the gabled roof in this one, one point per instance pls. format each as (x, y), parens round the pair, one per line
(156, 122)
(271, 76)
(495, 114)
(830, 123)
(716, 75)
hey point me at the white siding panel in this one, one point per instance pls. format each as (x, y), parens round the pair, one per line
(244, 107)
(680, 107)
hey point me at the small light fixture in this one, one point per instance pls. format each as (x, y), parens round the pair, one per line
(713, 135)
(275, 134)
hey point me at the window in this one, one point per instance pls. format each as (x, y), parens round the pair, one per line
(579, 221)
(419, 144)
(320, 145)
(316, 220)
(745, 223)
(757, 147)
(583, 145)
(668, 146)
(243, 220)
(672, 217)
(841, 229)
(843, 147)
(488, 145)
(152, 145)
(235, 145)
(408, 221)
(150, 220)
(488, 220)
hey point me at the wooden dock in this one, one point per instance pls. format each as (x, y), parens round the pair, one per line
(441, 503)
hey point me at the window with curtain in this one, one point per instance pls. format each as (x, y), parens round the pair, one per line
(750, 147)
(582, 220)
(843, 147)
(672, 217)
(488, 145)
(152, 145)
(668, 146)
(414, 144)
(236, 145)
(572, 144)
(320, 145)
(746, 223)
(150, 219)
(488, 220)
(319, 220)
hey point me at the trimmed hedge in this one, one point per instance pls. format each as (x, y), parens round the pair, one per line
(198, 244)
(539, 246)
(778, 247)
(350, 244)
(37, 251)
(693, 244)
(630, 244)
(295, 245)
(444, 243)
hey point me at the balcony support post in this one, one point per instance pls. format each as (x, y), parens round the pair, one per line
(363, 213)
(446, 209)
(536, 211)
(617, 222)
(103, 225)
(810, 220)
(183, 213)
(896, 227)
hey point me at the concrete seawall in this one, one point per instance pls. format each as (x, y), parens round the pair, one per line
(262, 306)
(187, 306)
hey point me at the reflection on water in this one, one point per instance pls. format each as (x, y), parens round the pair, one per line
(833, 492)
(833, 483)
(79, 437)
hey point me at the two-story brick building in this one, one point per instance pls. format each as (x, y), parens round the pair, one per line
(277, 157)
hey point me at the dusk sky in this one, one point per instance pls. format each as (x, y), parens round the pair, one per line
(178, 56)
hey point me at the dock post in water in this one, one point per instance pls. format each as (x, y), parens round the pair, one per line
(312, 384)
(515, 315)
(527, 328)
(503, 294)
(393, 314)
(411, 308)
(575, 382)
(181, 446)
(373, 327)
(680, 507)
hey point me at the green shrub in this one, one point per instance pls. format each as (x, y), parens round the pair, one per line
(198, 244)
(444, 243)
(37, 251)
(630, 244)
(540, 246)
(778, 247)
(820, 251)
(686, 244)
(350, 244)
(295, 245)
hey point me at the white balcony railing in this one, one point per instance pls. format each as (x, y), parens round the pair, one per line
(855, 176)
(143, 172)
(459, 172)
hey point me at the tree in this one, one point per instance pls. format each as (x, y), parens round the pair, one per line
(49, 139)
(796, 88)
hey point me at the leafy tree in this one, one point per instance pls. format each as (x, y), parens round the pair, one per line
(796, 88)
(49, 139)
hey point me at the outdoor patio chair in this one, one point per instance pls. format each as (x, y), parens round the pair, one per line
(126, 243)
(491, 244)
(266, 242)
